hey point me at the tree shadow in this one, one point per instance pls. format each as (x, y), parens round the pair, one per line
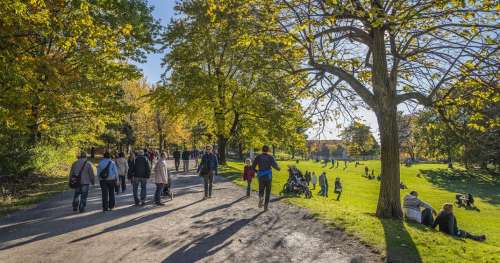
(208, 245)
(134, 222)
(461, 181)
(399, 244)
(223, 206)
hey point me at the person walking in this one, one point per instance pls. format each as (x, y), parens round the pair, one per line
(338, 187)
(265, 162)
(81, 176)
(248, 175)
(185, 160)
(142, 171)
(131, 165)
(323, 184)
(177, 159)
(207, 169)
(314, 180)
(161, 177)
(108, 173)
(122, 165)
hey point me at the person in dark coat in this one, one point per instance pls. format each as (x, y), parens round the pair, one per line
(265, 162)
(248, 175)
(185, 160)
(177, 159)
(207, 169)
(447, 223)
(142, 172)
(131, 165)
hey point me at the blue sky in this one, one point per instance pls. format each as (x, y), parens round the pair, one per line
(152, 70)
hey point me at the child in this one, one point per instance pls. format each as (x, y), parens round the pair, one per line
(248, 174)
(314, 179)
(338, 187)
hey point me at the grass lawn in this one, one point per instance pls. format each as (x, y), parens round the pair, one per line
(402, 241)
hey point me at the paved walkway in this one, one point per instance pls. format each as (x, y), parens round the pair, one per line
(226, 228)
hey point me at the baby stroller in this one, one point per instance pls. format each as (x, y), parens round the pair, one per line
(296, 184)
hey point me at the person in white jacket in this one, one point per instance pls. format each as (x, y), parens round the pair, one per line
(161, 177)
(122, 165)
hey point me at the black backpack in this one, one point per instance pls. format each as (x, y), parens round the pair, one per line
(75, 179)
(105, 172)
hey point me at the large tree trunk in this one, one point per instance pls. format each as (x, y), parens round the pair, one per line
(221, 146)
(384, 87)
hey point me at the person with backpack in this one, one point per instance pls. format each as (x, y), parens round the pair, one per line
(248, 175)
(207, 169)
(122, 165)
(81, 176)
(177, 159)
(265, 162)
(108, 173)
(142, 172)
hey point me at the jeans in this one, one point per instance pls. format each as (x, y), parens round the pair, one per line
(80, 197)
(177, 163)
(135, 185)
(338, 195)
(158, 192)
(208, 180)
(249, 183)
(123, 183)
(108, 194)
(427, 218)
(265, 189)
(185, 163)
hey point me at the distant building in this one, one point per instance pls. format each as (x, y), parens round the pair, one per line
(327, 149)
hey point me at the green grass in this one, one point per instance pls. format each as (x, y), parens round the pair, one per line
(28, 197)
(402, 241)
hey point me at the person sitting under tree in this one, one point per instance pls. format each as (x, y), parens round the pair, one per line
(412, 205)
(447, 223)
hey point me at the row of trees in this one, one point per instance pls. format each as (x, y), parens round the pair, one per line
(62, 68)
(233, 62)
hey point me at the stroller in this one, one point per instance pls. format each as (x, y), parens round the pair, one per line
(296, 183)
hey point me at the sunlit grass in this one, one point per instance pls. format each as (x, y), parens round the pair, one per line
(401, 241)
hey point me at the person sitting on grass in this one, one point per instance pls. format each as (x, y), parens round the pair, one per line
(338, 187)
(412, 205)
(447, 223)
(248, 175)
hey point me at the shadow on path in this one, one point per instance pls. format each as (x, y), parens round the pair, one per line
(400, 245)
(133, 222)
(208, 245)
(224, 206)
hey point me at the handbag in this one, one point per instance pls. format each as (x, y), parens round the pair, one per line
(105, 172)
(75, 179)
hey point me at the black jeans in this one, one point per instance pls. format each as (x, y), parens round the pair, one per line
(208, 180)
(427, 218)
(158, 192)
(249, 184)
(265, 189)
(108, 194)
(123, 183)
(177, 163)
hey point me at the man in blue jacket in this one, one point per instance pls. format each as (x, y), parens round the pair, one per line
(265, 162)
(207, 169)
(108, 174)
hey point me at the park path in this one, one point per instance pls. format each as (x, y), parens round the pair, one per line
(226, 228)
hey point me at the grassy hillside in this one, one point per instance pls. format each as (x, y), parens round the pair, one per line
(402, 241)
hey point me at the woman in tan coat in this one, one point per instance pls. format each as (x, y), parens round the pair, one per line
(161, 177)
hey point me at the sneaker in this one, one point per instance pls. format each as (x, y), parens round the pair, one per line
(75, 209)
(160, 204)
(143, 203)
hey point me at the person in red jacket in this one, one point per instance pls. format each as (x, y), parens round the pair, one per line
(248, 174)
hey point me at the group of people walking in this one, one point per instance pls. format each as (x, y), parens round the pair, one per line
(112, 175)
